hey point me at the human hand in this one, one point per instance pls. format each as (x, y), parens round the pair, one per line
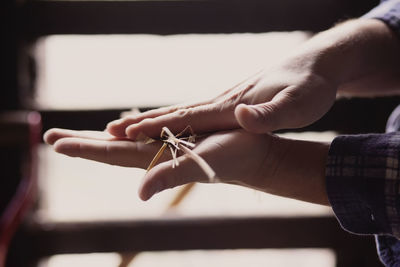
(263, 162)
(290, 95)
(358, 57)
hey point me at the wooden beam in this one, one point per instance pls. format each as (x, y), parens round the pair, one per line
(356, 116)
(40, 18)
(188, 234)
(9, 93)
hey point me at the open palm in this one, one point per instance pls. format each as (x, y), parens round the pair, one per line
(261, 161)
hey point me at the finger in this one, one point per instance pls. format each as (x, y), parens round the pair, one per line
(163, 177)
(122, 153)
(132, 112)
(207, 118)
(52, 135)
(118, 127)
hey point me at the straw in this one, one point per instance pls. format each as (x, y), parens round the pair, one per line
(176, 143)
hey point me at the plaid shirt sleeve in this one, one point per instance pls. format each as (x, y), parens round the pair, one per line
(363, 186)
(389, 12)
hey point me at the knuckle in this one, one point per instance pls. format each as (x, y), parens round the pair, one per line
(293, 93)
(265, 111)
(183, 113)
(266, 115)
(240, 95)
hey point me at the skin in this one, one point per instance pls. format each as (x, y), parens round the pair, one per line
(263, 168)
(359, 57)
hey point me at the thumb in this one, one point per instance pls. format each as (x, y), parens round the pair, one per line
(277, 114)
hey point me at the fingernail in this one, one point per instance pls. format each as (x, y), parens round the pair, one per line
(250, 110)
(241, 105)
(115, 123)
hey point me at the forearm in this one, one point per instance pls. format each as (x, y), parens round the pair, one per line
(360, 56)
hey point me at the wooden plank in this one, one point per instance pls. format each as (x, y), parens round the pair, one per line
(356, 116)
(79, 119)
(17, 129)
(188, 234)
(40, 18)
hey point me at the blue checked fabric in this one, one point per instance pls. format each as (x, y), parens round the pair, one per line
(389, 12)
(363, 186)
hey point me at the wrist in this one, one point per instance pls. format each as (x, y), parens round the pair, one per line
(301, 172)
(353, 50)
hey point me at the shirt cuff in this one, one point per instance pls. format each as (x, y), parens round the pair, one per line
(389, 12)
(362, 177)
